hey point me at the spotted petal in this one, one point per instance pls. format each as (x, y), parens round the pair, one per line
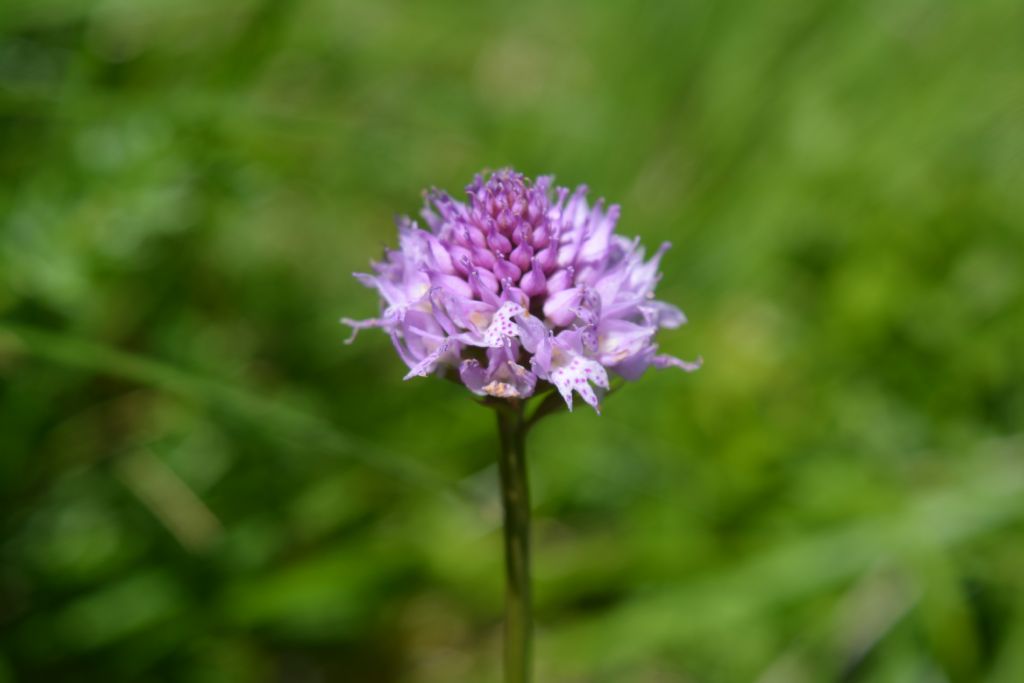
(573, 372)
(502, 328)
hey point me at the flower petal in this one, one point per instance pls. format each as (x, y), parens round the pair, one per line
(662, 314)
(473, 375)
(666, 361)
(357, 325)
(502, 329)
(620, 339)
(429, 362)
(573, 372)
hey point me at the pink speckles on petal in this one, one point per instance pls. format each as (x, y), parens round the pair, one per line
(576, 375)
(599, 375)
(502, 329)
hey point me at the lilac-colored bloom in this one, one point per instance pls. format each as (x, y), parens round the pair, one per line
(520, 285)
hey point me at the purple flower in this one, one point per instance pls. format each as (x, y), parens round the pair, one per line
(520, 285)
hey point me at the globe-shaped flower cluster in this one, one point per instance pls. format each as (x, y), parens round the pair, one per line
(522, 284)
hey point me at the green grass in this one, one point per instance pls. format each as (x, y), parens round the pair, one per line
(199, 481)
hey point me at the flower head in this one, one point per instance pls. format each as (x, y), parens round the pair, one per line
(519, 285)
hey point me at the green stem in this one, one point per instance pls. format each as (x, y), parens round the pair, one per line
(515, 499)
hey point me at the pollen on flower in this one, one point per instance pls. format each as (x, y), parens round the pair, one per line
(501, 390)
(531, 278)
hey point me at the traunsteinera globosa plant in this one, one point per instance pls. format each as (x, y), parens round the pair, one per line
(522, 288)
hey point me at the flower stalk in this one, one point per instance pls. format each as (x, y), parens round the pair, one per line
(515, 499)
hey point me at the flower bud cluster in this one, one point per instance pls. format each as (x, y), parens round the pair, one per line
(521, 284)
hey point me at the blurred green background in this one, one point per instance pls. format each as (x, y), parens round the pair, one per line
(199, 482)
